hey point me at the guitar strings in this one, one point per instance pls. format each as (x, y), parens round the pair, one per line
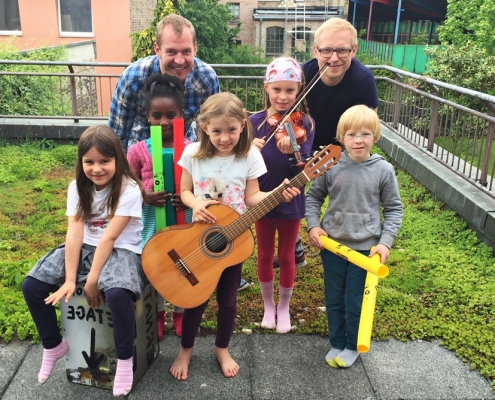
(223, 233)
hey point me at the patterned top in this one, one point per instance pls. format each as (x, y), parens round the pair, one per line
(128, 109)
(222, 178)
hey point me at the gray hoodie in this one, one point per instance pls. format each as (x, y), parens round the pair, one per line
(356, 191)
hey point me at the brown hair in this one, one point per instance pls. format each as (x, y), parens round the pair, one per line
(357, 117)
(223, 105)
(103, 139)
(178, 23)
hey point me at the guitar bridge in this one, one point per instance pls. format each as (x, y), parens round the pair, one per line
(182, 267)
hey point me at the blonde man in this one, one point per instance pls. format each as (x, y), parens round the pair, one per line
(345, 83)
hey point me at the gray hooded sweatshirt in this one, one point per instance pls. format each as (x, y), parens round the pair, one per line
(356, 191)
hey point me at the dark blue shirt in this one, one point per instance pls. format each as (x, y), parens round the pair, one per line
(327, 103)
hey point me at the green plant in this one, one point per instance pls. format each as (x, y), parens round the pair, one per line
(23, 95)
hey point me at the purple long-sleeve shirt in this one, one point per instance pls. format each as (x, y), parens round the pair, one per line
(280, 166)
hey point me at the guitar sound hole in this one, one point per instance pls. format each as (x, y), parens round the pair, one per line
(216, 242)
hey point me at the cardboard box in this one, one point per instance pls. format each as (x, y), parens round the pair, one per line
(89, 332)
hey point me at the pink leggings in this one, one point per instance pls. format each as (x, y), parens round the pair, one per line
(287, 229)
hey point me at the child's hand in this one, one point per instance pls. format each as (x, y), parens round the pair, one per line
(381, 249)
(290, 192)
(177, 202)
(285, 146)
(258, 143)
(93, 296)
(314, 236)
(67, 290)
(201, 214)
(157, 199)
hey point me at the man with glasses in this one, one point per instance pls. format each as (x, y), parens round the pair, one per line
(345, 83)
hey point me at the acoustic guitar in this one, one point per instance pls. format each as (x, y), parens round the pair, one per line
(184, 262)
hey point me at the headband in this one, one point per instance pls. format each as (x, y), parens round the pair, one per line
(283, 69)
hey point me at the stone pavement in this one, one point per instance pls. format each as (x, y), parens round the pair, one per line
(273, 366)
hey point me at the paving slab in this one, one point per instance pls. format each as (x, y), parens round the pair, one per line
(272, 367)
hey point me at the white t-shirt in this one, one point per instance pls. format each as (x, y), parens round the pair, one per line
(130, 205)
(222, 178)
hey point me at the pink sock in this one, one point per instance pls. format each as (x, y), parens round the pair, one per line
(122, 384)
(50, 357)
(269, 305)
(283, 315)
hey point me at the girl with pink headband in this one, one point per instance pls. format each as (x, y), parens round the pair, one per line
(283, 82)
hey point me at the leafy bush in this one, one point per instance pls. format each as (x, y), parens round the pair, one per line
(466, 66)
(25, 95)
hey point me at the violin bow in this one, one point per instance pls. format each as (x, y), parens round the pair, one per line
(301, 97)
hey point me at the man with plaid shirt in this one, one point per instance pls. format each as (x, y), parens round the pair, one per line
(175, 50)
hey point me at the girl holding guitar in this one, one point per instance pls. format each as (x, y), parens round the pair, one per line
(222, 167)
(164, 102)
(283, 83)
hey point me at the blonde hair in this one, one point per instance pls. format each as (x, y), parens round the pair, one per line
(333, 25)
(178, 23)
(226, 105)
(357, 117)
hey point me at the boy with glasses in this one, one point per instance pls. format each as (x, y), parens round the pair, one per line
(365, 210)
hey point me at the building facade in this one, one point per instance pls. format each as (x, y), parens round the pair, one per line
(284, 26)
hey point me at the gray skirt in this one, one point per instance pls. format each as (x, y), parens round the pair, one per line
(122, 270)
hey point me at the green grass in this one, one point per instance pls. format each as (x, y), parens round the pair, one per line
(441, 283)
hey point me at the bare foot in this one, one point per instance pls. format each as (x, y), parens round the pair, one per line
(227, 364)
(180, 365)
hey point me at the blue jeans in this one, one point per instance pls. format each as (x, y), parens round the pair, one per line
(299, 247)
(344, 288)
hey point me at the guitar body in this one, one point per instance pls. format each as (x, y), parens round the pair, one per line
(202, 250)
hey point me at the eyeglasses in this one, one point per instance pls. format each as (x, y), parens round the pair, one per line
(327, 52)
(354, 136)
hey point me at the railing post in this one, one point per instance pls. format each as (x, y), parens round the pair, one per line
(397, 102)
(73, 93)
(433, 119)
(488, 147)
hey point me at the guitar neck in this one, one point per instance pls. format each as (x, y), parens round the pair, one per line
(235, 228)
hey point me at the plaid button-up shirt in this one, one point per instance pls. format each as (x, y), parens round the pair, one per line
(128, 109)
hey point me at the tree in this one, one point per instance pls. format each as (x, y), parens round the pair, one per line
(211, 21)
(469, 21)
(142, 42)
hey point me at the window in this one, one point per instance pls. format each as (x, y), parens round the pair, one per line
(274, 41)
(235, 10)
(9, 16)
(75, 18)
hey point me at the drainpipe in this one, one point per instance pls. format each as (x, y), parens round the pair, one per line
(368, 34)
(261, 24)
(354, 14)
(397, 22)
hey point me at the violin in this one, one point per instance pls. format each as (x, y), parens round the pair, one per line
(295, 119)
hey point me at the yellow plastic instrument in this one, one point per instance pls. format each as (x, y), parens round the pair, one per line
(370, 264)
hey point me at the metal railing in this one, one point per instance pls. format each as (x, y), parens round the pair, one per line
(426, 112)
